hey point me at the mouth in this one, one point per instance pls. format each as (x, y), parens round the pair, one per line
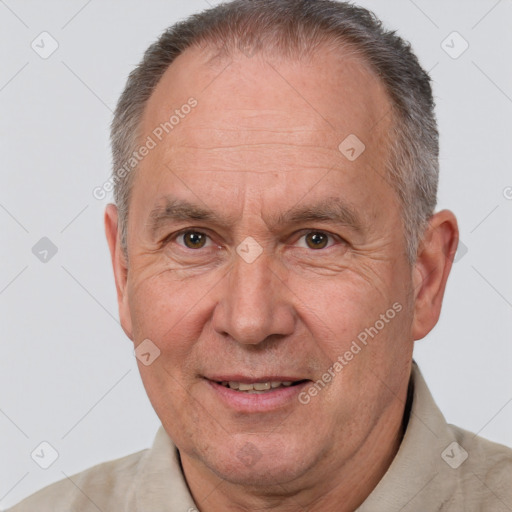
(256, 395)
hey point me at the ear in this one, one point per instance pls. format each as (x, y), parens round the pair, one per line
(433, 264)
(120, 267)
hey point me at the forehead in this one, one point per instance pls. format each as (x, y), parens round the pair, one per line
(329, 95)
(265, 115)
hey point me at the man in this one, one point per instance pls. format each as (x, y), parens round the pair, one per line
(276, 255)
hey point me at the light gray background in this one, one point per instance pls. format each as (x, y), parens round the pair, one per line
(67, 371)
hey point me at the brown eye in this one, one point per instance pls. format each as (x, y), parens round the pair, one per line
(317, 240)
(194, 239)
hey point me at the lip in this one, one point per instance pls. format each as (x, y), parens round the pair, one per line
(269, 401)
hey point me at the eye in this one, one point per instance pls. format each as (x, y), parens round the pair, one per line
(192, 239)
(316, 239)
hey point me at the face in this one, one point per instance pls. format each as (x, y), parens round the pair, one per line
(260, 253)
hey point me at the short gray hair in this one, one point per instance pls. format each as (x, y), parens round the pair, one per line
(296, 27)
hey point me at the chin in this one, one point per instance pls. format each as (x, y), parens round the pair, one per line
(258, 461)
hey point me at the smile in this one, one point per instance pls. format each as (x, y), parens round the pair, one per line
(264, 394)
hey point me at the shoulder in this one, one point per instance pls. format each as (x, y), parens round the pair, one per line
(106, 486)
(487, 467)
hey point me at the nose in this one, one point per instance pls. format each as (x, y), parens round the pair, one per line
(255, 303)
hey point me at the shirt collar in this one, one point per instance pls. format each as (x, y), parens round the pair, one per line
(418, 469)
(161, 484)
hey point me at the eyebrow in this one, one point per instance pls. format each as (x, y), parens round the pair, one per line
(175, 210)
(331, 209)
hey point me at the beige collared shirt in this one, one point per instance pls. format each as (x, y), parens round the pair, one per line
(438, 467)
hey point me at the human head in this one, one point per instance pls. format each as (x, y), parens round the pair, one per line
(254, 159)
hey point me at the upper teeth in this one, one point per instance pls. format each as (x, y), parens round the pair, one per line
(256, 386)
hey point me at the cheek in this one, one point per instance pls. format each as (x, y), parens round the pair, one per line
(337, 309)
(164, 308)
(356, 328)
(168, 314)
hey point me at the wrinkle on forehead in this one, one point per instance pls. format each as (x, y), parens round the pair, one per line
(335, 92)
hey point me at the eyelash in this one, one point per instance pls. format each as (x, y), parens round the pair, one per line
(175, 236)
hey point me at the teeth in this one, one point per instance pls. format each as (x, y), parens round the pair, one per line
(256, 387)
(261, 386)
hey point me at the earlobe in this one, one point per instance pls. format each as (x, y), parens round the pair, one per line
(119, 266)
(431, 271)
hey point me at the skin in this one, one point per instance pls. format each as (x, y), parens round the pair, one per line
(263, 139)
